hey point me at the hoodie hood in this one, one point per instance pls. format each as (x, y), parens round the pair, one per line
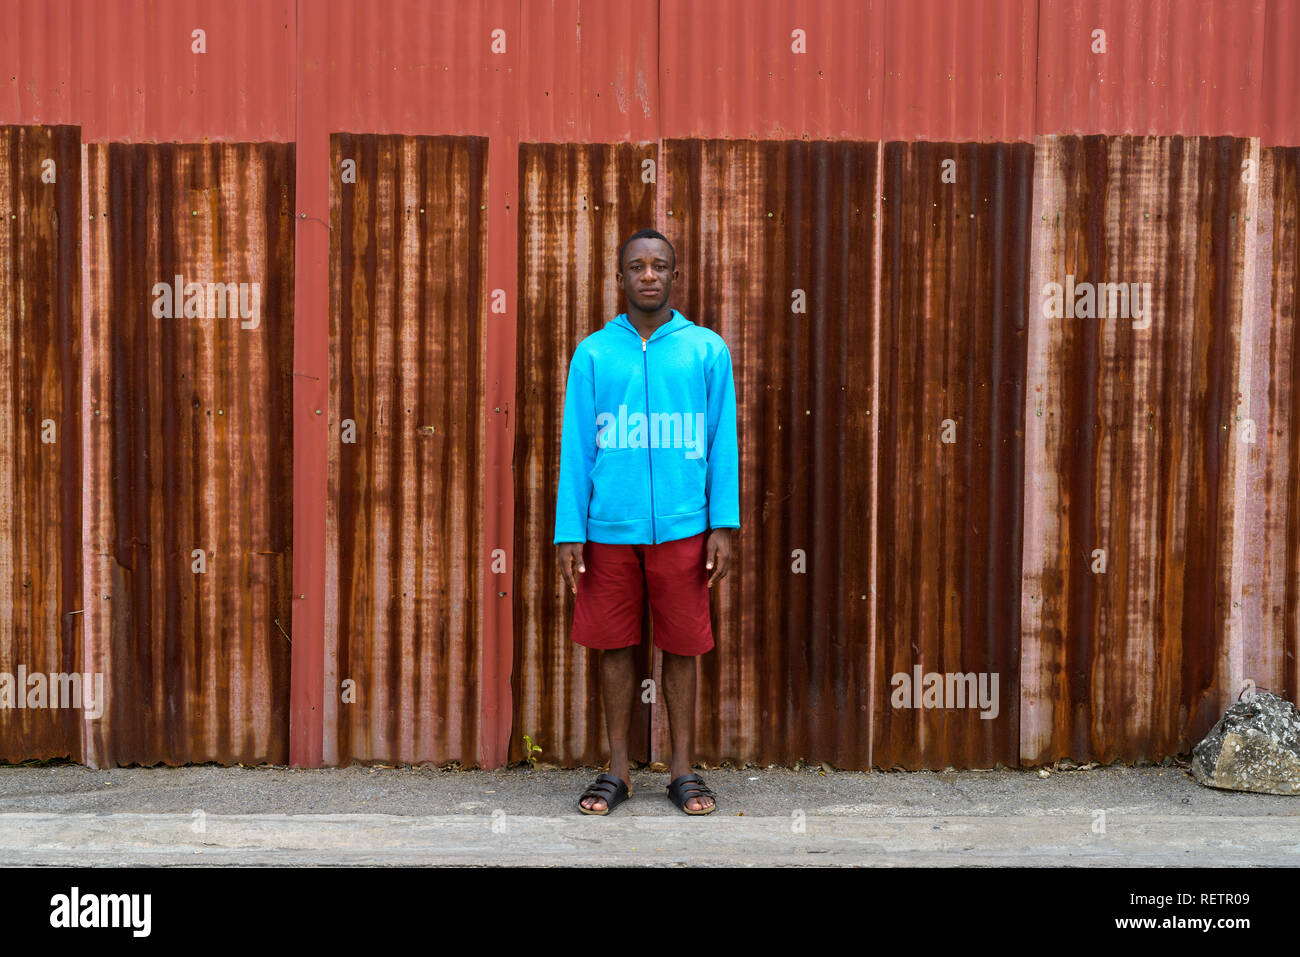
(674, 324)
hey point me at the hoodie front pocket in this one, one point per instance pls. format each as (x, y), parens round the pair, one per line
(679, 482)
(620, 486)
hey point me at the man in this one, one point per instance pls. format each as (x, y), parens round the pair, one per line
(648, 496)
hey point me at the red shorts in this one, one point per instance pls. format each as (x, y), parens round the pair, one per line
(611, 595)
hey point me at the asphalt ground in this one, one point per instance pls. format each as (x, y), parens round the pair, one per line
(68, 815)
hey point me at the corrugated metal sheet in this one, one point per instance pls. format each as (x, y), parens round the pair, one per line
(953, 291)
(428, 68)
(579, 203)
(753, 223)
(1265, 637)
(188, 448)
(1285, 258)
(131, 70)
(927, 69)
(960, 70)
(594, 75)
(1280, 121)
(418, 67)
(40, 439)
(738, 69)
(1132, 453)
(1190, 67)
(404, 530)
(941, 71)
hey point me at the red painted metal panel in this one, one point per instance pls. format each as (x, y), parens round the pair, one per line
(310, 396)
(416, 67)
(1280, 123)
(589, 72)
(189, 447)
(1189, 67)
(960, 70)
(503, 202)
(40, 449)
(935, 69)
(734, 68)
(128, 70)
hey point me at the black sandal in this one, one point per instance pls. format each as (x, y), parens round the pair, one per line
(609, 789)
(691, 786)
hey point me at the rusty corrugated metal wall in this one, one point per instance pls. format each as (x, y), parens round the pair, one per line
(1129, 570)
(1269, 635)
(775, 240)
(395, 599)
(404, 606)
(40, 432)
(189, 449)
(953, 292)
(578, 203)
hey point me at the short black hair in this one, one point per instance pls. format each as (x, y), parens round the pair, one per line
(645, 234)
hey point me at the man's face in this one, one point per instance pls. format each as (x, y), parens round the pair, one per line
(647, 274)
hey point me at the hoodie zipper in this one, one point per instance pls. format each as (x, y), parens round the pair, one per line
(645, 376)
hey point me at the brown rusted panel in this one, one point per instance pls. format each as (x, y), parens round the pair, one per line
(578, 203)
(1130, 445)
(953, 290)
(1285, 276)
(189, 447)
(1267, 423)
(403, 613)
(775, 240)
(40, 446)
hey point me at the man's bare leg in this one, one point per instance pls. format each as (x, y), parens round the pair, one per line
(679, 689)
(617, 687)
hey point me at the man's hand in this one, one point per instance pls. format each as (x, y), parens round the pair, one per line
(571, 558)
(718, 550)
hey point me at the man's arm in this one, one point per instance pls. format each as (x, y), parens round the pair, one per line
(577, 457)
(722, 479)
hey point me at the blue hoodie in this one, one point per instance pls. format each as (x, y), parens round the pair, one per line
(648, 453)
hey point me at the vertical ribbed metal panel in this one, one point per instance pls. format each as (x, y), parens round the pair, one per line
(754, 223)
(1191, 67)
(953, 291)
(417, 67)
(1266, 565)
(1280, 121)
(579, 203)
(188, 446)
(1204, 527)
(1285, 259)
(404, 527)
(422, 68)
(40, 439)
(960, 70)
(730, 68)
(1130, 435)
(128, 70)
(590, 72)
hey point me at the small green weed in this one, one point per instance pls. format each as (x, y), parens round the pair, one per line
(531, 751)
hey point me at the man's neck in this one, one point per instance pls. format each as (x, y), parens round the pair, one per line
(645, 323)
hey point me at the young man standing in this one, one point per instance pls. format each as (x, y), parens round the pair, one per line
(648, 495)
